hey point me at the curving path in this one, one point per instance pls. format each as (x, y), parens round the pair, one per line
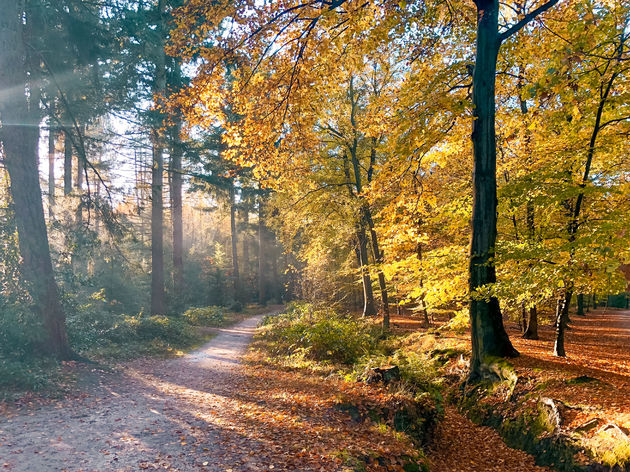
(154, 415)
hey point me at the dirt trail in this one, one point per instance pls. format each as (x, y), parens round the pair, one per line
(206, 412)
(154, 415)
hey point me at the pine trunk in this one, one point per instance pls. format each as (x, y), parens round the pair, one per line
(158, 305)
(262, 296)
(234, 238)
(67, 163)
(19, 136)
(157, 227)
(176, 210)
(51, 168)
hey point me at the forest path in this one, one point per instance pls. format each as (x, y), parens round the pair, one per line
(207, 412)
(156, 414)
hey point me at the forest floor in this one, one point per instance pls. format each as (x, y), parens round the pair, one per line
(208, 411)
(592, 382)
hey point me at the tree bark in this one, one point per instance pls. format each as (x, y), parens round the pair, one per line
(423, 303)
(580, 304)
(245, 234)
(51, 167)
(67, 163)
(157, 226)
(489, 337)
(558, 348)
(262, 295)
(234, 238)
(176, 209)
(19, 135)
(158, 306)
(531, 328)
(369, 307)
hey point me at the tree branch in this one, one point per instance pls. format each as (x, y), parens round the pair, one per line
(515, 28)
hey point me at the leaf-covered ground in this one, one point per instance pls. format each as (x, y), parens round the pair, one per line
(207, 411)
(591, 385)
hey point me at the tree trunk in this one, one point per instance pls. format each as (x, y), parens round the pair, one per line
(67, 163)
(489, 337)
(378, 258)
(19, 135)
(51, 167)
(234, 238)
(157, 226)
(245, 270)
(423, 303)
(79, 183)
(176, 209)
(369, 307)
(158, 306)
(262, 296)
(531, 328)
(558, 348)
(580, 304)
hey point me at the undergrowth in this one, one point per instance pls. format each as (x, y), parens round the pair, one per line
(98, 332)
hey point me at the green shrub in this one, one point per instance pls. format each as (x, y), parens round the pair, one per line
(167, 329)
(320, 334)
(27, 374)
(21, 332)
(205, 316)
(236, 307)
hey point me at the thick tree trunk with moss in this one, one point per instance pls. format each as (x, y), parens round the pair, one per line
(489, 338)
(19, 136)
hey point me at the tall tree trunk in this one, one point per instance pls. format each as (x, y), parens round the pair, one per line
(489, 337)
(51, 167)
(558, 348)
(378, 253)
(158, 306)
(531, 328)
(245, 270)
(157, 226)
(234, 238)
(262, 295)
(423, 303)
(378, 258)
(369, 307)
(79, 185)
(19, 135)
(176, 209)
(580, 304)
(67, 163)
